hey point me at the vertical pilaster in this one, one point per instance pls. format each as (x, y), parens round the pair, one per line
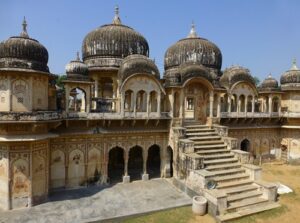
(211, 104)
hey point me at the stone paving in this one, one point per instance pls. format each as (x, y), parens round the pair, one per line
(94, 203)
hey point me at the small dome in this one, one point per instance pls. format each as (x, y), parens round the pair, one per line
(22, 52)
(137, 64)
(193, 49)
(270, 83)
(235, 74)
(107, 45)
(76, 69)
(189, 70)
(292, 76)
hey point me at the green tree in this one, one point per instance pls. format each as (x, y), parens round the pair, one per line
(59, 80)
(256, 80)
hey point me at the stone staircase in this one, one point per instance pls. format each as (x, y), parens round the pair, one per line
(244, 195)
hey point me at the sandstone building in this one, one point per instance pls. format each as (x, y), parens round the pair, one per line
(117, 120)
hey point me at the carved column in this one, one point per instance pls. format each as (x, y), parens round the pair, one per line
(148, 104)
(158, 104)
(219, 106)
(145, 176)
(67, 93)
(134, 103)
(181, 102)
(279, 106)
(122, 104)
(211, 104)
(246, 103)
(171, 99)
(239, 104)
(253, 104)
(126, 178)
(229, 103)
(270, 104)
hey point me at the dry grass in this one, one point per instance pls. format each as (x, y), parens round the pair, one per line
(289, 212)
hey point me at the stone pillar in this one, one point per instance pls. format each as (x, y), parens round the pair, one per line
(229, 103)
(126, 178)
(148, 104)
(246, 103)
(171, 99)
(239, 104)
(181, 102)
(134, 103)
(211, 104)
(66, 175)
(122, 103)
(158, 104)
(219, 107)
(270, 104)
(145, 175)
(279, 106)
(88, 99)
(253, 104)
(67, 93)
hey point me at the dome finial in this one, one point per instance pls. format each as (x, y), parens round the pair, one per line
(270, 75)
(117, 20)
(77, 56)
(24, 31)
(294, 65)
(193, 33)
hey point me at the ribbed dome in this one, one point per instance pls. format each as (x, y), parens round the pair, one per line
(235, 74)
(188, 70)
(137, 64)
(269, 83)
(107, 45)
(23, 52)
(76, 69)
(193, 49)
(291, 76)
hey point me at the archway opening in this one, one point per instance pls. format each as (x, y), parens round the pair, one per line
(245, 145)
(77, 100)
(135, 163)
(170, 162)
(116, 165)
(153, 161)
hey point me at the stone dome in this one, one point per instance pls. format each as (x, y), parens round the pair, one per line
(193, 49)
(107, 45)
(270, 83)
(137, 64)
(23, 52)
(76, 69)
(189, 70)
(292, 76)
(235, 74)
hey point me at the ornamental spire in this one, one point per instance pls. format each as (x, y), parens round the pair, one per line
(77, 56)
(24, 31)
(193, 33)
(294, 65)
(117, 20)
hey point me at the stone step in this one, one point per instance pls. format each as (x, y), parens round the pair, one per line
(233, 177)
(201, 134)
(214, 168)
(234, 206)
(210, 146)
(195, 126)
(219, 161)
(229, 171)
(240, 189)
(218, 156)
(241, 196)
(208, 142)
(247, 211)
(234, 183)
(200, 138)
(212, 151)
(200, 130)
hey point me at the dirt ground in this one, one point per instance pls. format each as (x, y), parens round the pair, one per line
(289, 212)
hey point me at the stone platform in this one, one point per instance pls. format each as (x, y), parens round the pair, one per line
(96, 204)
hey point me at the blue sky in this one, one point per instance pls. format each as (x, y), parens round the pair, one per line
(262, 35)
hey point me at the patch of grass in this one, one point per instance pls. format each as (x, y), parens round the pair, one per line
(180, 215)
(274, 213)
